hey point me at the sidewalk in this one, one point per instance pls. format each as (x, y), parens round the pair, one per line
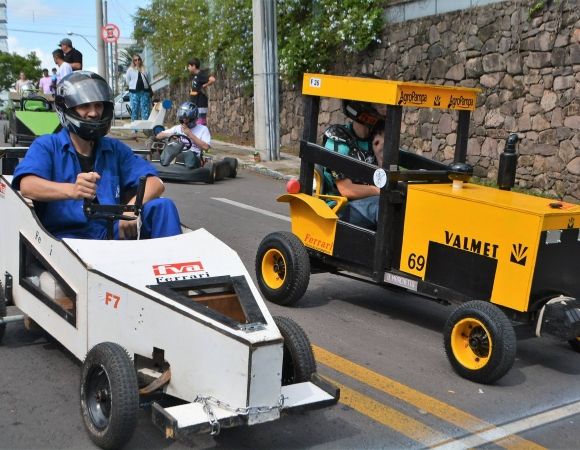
(288, 166)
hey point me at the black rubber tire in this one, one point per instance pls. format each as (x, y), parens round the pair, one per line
(109, 373)
(282, 268)
(574, 343)
(298, 363)
(233, 162)
(2, 312)
(211, 167)
(478, 333)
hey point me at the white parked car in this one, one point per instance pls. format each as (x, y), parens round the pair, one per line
(122, 108)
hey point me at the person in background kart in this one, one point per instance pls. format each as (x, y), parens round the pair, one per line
(198, 134)
(62, 170)
(355, 140)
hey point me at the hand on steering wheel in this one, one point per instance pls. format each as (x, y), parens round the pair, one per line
(181, 138)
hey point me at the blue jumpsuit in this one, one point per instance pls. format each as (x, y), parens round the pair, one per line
(54, 158)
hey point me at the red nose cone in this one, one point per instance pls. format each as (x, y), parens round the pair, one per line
(293, 186)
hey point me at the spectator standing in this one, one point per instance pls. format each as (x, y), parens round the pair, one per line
(45, 83)
(71, 55)
(53, 77)
(137, 79)
(201, 80)
(64, 68)
(21, 82)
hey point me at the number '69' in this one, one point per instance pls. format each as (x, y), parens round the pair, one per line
(415, 261)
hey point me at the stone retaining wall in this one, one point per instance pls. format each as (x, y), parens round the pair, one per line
(528, 70)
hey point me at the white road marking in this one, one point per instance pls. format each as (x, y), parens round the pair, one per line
(512, 428)
(252, 208)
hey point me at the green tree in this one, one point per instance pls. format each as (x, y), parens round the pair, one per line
(176, 30)
(12, 64)
(312, 35)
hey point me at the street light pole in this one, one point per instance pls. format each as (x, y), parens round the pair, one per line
(100, 42)
(70, 33)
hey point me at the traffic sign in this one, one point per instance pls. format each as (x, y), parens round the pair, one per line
(110, 33)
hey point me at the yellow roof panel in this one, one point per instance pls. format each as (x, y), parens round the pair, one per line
(403, 93)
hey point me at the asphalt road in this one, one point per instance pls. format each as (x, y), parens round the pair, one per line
(383, 348)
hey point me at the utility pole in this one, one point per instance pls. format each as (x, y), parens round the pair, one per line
(100, 43)
(266, 95)
(107, 46)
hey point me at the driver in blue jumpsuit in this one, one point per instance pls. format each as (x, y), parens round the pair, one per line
(62, 170)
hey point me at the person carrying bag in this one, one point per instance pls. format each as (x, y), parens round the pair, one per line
(139, 89)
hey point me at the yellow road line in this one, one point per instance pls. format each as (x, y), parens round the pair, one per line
(424, 402)
(389, 417)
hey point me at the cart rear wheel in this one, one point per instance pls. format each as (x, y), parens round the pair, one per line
(282, 268)
(109, 395)
(233, 162)
(2, 312)
(480, 342)
(210, 166)
(574, 343)
(298, 364)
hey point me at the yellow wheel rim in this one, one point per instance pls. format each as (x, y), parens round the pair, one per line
(471, 343)
(274, 269)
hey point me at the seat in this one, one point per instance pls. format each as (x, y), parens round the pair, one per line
(335, 202)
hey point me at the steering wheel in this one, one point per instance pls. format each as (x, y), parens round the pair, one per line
(187, 144)
(115, 212)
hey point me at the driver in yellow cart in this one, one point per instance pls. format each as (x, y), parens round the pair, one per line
(359, 139)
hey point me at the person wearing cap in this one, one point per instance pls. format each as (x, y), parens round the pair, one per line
(63, 170)
(71, 55)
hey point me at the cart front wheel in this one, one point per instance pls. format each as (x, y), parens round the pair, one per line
(282, 268)
(298, 363)
(109, 395)
(480, 342)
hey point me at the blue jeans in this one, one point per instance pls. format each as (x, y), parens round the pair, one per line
(363, 212)
(159, 218)
(140, 102)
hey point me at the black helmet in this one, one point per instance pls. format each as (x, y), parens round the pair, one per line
(362, 112)
(79, 88)
(187, 112)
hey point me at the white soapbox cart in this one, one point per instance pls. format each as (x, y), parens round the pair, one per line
(176, 318)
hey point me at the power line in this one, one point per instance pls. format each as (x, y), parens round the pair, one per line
(40, 32)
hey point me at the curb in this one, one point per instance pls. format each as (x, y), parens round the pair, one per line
(265, 171)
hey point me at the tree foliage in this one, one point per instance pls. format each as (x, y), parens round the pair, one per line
(311, 34)
(12, 64)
